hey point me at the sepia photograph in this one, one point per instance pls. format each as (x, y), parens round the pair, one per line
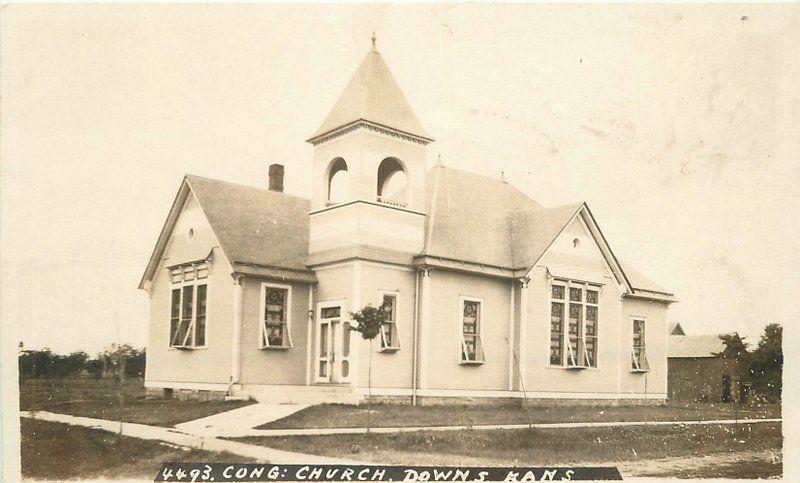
(385, 241)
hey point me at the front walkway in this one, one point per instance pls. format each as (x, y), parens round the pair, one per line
(238, 421)
(174, 436)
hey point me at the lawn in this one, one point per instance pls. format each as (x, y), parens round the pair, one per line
(55, 451)
(389, 415)
(106, 399)
(635, 448)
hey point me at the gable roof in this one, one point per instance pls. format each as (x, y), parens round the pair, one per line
(533, 231)
(705, 345)
(675, 329)
(471, 219)
(461, 227)
(513, 231)
(372, 95)
(254, 226)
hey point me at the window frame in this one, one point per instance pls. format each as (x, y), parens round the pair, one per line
(480, 358)
(636, 366)
(263, 340)
(179, 286)
(390, 349)
(566, 348)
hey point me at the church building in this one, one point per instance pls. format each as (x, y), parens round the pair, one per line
(490, 295)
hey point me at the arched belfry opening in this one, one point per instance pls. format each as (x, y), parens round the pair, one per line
(392, 182)
(337, 182)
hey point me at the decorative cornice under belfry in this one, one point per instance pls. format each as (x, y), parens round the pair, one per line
(373, 126)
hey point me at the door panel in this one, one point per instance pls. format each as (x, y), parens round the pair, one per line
(333, 344)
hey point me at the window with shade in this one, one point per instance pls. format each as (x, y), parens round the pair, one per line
(390, 341)
(188, 316)
(471, 322)
(638, 350)
(275, 316)
(574, 319)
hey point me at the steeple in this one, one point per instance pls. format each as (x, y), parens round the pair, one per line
(368, 173)
(372, 98)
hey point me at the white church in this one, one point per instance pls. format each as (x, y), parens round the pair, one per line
(491, 296)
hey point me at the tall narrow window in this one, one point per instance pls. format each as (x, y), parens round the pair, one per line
(275, 321)
(590, 327)
(471, 344)
(575, 345)
(557, 325)
(187, 324)
(639, 361)
(200, 330)
(390, 341)
(574, 319)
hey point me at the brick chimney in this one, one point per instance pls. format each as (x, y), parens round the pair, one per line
(276, 177)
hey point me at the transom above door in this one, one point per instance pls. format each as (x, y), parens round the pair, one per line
(332, 347)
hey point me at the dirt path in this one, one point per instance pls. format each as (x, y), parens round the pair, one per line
(694, 464)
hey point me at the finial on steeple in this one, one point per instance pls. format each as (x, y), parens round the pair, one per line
(373, 40)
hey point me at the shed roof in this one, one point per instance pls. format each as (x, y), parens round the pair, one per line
(705, 345)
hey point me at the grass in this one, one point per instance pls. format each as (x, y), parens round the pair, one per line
(388, 415)
(547, 447)
(748, 469)
(105, 399)
(55, 451)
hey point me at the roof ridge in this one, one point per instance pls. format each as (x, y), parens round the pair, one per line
(545, 208)
(489, 178)
(248, 186)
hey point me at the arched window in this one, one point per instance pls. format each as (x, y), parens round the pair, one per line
(392, 182)
(337, 182)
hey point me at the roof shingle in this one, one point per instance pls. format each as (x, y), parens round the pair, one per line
(373, 95)
(705, 345)
(254, 225)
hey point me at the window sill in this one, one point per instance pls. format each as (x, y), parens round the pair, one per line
(388, 350)
(276, 348)
(573, 368)
(187, 347)
(472, 363)
(576, 368)
(639, 371)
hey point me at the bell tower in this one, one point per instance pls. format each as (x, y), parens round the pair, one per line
(369, 168)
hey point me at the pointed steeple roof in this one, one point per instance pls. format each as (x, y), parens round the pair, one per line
(372, 95)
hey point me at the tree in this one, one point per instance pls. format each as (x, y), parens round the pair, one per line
(115, 359)
(368, 323)
(369, 320)
(735, 346)
(135, 364)
(766, 366)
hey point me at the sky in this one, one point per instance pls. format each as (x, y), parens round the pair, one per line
(676, 124)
